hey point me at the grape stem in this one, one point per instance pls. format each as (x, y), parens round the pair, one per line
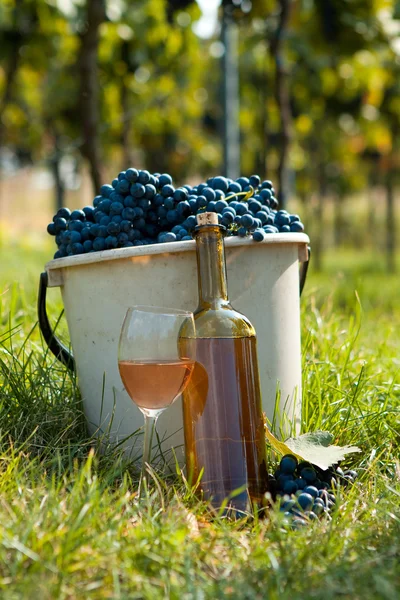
(246, 194)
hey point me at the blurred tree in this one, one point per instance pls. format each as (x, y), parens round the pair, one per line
(88, 99)
(282, 96)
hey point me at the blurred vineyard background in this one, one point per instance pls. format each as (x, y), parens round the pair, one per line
(306, 92)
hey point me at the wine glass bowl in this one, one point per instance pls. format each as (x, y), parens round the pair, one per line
(155, 367)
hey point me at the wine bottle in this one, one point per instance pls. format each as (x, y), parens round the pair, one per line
(223, 421)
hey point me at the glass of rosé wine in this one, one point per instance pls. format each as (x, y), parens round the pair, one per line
(154, 366)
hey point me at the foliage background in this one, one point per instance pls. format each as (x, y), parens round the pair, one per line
(90, 87)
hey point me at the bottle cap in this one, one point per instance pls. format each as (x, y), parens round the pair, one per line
(207, 218)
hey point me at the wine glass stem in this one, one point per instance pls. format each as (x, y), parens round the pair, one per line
(149, 426)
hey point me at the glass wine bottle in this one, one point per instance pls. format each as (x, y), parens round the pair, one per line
(223, 422)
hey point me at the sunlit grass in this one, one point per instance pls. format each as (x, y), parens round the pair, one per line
(70, 523)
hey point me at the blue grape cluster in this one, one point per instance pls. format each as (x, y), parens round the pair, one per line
(140, 208)
(305, 492)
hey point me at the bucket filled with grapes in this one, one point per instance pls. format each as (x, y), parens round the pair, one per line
(134, 246)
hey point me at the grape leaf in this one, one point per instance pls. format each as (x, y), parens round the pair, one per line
(322, 438)
(277, 445)
(313, 447)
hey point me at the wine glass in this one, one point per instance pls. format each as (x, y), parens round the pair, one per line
(155, 366)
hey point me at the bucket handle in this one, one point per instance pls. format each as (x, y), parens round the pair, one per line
(304, 269)
(60, 351)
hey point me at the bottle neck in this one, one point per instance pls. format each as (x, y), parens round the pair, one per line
(211, 267)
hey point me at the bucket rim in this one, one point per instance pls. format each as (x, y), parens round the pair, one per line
(170, 248)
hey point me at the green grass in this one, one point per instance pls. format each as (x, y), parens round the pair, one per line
(70, 523)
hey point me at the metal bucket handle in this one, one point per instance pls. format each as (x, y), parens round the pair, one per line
(62, 353)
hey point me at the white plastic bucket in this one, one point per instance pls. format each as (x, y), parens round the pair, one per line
(97, 289)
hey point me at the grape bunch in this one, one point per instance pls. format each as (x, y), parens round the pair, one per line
(140, 208)
(305, 492)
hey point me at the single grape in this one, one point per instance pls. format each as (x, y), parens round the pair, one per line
(134, 234)
(241, 209)
(99, 244)
(111, 242)
(113, 228)
(301, 483)
(322, 485)
(164, 179)
(298, 523)
(255, 181)
(132, 175)
(169, 237)
(77, 248)
(288, 504)
(227, 219)
(74, 237)
(128, 214)
(308, 473)
(202, 202)
(258, 235)
(85, 233)
(77, 215)
(104, 206)
(150, 191)
(305, 501)
(172, 216)
(267, 184)
(209, 194)
(144, 177)
(180, 194)
(262, 216)
(220, 205)
(102, 231)
(288, 464)
(63, 213)
(220, 183)
(312, 516)
(106, 190)
(190, 223)
(137, 190)
(144, 204)
(122, 239)
(234, 188)
(130, 202)
(273, 203)
(116, 208)
(282, 479)
(247, 221)
(243, 182)
(296, 227)
(167, 190)
(289, 487)
(76, 225)
(123, 186)
(312, 490)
